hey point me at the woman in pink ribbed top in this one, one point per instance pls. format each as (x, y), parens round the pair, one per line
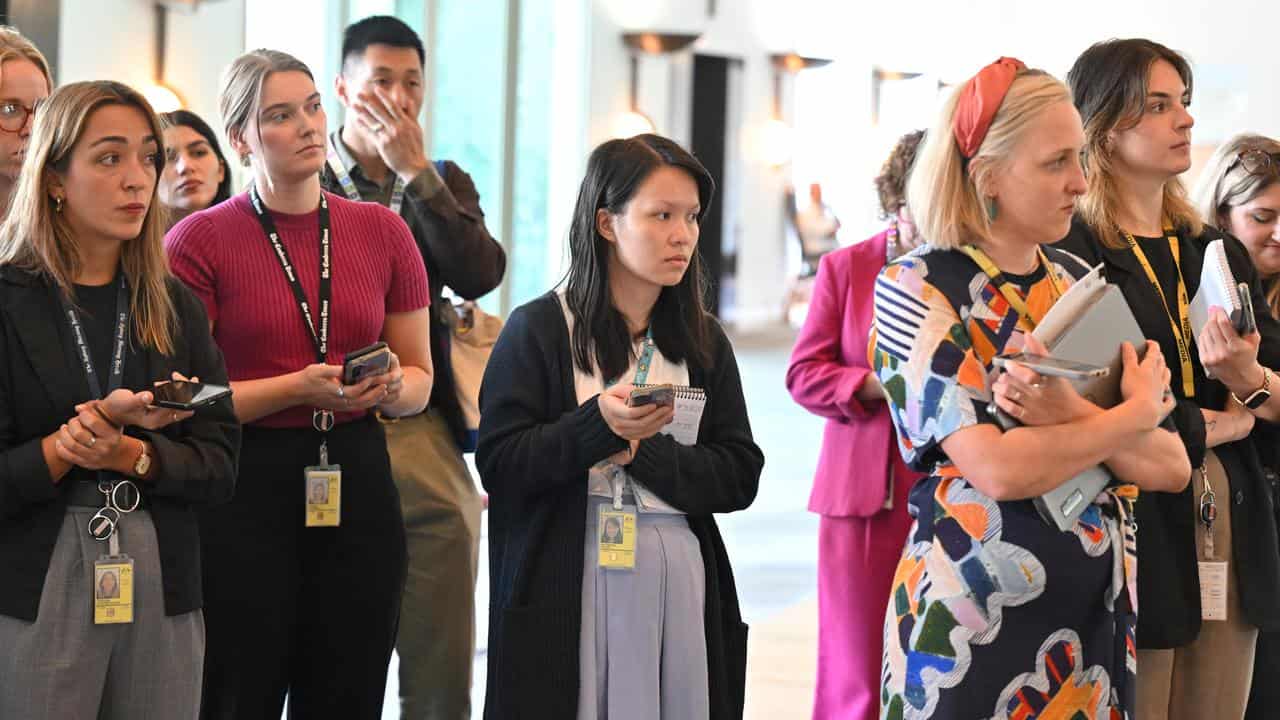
(304, 568)
(861, 485)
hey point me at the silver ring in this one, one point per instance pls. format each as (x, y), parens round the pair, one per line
(1036, 385)
(377, 129)
(103, 525)
(342, 393)
(93, 440)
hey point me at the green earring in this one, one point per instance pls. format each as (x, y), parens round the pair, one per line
(992, 210)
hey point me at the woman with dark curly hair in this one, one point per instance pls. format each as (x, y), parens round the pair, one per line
(864, 515)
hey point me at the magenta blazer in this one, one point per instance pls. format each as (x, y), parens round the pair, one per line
(828, 365)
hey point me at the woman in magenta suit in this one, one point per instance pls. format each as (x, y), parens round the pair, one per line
(861, 485)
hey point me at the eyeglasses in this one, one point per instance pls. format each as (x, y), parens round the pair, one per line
(1259, 162)
(13, 115)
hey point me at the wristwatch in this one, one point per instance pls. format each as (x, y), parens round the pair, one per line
(143, 463)
(1260, 396)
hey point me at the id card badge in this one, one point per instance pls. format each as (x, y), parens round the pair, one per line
(1213, 590)
(113, 590)
(324, 495)
(617, 541)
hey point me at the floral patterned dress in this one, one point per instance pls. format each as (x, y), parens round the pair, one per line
(994, 613)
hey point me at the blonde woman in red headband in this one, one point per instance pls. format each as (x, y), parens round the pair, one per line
(994, 613)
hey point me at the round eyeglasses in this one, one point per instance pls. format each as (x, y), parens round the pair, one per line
(13, 115)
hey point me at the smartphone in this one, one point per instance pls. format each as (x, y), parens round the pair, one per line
(360, 364)
(652, 395)
(1248, 322)
(187, 395)
(1055, 367)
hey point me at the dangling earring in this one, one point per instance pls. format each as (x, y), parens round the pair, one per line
(992, 210)
(244, 160)
(57, 203)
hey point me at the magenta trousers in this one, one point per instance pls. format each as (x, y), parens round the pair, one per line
(857, 557)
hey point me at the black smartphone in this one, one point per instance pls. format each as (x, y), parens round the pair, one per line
(1248, 322)
(652, 395)
(187, 395)
(360, 364)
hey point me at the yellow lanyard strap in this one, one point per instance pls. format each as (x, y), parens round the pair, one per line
(1181, 327)
(1006, 288)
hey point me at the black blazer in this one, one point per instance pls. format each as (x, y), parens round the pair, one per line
(536, 447)
(1168, 580)
(41, 382)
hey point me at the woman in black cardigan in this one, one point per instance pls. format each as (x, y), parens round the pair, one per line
(100, 599)
(550, 458)
(1135, 219)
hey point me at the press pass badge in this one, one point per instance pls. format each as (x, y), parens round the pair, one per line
(617, 541)
(113, 590)
(324, 495)
(1213, 590)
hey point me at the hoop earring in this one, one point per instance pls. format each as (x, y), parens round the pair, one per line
(57, 203)
(992, 209)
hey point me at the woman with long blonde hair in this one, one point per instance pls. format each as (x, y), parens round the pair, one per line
(1208, 568)
(95, 481)
(1239, 192)
(294, 279)
(994, 612)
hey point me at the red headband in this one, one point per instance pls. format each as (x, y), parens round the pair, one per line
(979, 100)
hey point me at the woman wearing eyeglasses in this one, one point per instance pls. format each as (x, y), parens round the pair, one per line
(1239, 192)
(1208, 567)
(25, 80)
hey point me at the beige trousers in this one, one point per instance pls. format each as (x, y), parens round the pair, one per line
(1210, 677)
(441, 506)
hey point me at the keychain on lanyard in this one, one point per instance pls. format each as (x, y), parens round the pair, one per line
(349, 186)
(322, 483)
(1181, 327)
(641, 377)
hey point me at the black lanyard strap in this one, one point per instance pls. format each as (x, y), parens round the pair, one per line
(116, 375)
(320, 337)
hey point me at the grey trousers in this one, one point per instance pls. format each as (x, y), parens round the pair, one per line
(63, 666)
(441, 506)
(643, 647)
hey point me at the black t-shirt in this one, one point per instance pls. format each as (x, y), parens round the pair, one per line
(97, 304)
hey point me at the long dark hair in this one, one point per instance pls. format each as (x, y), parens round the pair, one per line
(186, 118)
(679, 321)
(1109, 87)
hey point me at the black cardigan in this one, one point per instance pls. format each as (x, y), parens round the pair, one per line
(41, 382)
(536, 447)
(1168, 580)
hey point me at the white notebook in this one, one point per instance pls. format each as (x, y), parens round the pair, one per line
(690, 402)
(1217, 287)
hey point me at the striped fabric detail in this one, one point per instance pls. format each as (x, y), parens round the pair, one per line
(898, 318)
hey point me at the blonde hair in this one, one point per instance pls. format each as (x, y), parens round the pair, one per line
(240, 97)
(15, 46)
(1224, 184)
(944, 190)
(36, 238)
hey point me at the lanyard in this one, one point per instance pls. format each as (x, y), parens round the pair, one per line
(349, 186)
(116, 375)
(1006, 288)
(618, 478)
(1182, 326)
(103, 524)
(322, 419)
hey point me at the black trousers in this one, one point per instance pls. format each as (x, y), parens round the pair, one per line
(307, 612)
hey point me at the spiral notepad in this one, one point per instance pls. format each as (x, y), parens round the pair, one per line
(690, 402)
(1217, 287)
